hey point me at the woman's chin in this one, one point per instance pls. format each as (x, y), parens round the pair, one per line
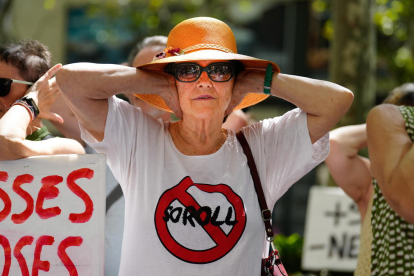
(206, 113)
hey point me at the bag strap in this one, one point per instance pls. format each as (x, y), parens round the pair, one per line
(115, 194)
(266, 213)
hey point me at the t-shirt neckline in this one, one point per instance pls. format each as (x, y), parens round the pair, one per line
(170, 140)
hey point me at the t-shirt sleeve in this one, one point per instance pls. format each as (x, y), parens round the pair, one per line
(124, 131)
(283, 150)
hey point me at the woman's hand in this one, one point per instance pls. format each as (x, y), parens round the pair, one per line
(170, 96)
(44, 92)
(248, 81)
(161, 84)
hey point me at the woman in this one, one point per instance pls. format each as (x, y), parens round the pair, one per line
(390, 131)
(191, 207)
(352, 173)
(22, 133)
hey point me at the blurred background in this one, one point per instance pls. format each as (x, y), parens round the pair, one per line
(364, 45)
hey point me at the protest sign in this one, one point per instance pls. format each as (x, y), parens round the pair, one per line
(332, 231)
(52, 211)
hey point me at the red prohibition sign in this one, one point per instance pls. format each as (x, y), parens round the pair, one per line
(224, 243)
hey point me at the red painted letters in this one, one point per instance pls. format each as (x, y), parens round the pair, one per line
(82, 173)
(7, 255)
(22, 179)
(37, 263)
(69, 241)
(26, 240)
(48, 191)
(5, 197)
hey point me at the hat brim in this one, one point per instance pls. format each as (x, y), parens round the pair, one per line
(247, 61)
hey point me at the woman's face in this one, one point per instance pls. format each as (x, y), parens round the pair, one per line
(17, 90)
(204, 98)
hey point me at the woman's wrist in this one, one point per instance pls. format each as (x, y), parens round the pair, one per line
(33, 95)
(29, 104)
(268, 79)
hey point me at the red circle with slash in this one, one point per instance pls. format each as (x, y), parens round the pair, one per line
(224, 242)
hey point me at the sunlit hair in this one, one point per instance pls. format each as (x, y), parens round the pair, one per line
(402, 95)
(151, 41)
(30, 57)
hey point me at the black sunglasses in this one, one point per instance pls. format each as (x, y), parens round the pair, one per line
(5, 85)
(190, 72)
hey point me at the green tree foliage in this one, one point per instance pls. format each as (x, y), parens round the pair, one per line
(394, 20)
(151, 17)
(290, 250)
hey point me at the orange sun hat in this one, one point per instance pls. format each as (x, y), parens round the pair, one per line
(203, 38)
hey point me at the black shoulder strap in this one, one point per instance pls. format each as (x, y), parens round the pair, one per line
(115, 194)
(266, 213)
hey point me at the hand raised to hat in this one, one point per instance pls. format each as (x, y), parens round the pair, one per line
(163, 85)
(248, 81)
(44, 92)
(170, 96)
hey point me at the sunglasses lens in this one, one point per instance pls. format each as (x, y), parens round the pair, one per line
(220, 72)
(187, 72)
(5, 87)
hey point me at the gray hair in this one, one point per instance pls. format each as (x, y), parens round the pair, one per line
(157, 40)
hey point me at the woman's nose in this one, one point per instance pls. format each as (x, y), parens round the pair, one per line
(204, 81)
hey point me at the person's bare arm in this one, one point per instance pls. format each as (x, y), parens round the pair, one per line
(14, 124)
(324, 102)
(86, 88)
(14, 146)
(70, 126)
(350, 171)
(392, 158)
(236, 121)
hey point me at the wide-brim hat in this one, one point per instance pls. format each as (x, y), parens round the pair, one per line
(203, 38)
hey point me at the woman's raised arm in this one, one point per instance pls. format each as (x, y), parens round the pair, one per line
(324, 102)
(86, 88)
(391, 153)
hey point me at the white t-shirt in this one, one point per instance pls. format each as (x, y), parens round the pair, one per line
(188, 215)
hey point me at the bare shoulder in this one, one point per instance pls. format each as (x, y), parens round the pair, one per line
(385, 115)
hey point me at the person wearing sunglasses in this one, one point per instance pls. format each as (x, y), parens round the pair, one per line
(27, 91)
(190, 203)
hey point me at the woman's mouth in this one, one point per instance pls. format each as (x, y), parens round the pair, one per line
(204, 97)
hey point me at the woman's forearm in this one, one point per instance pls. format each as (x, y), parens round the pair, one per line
(95, 81)
(324, 102)
(101, 81)
(315, 97)
(13, 126)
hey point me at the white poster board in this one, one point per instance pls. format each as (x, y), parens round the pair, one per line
(332, 229)
(52, 211)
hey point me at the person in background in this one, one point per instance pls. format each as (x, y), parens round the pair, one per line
(143, 53)
(22, 107)
(354, 174)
